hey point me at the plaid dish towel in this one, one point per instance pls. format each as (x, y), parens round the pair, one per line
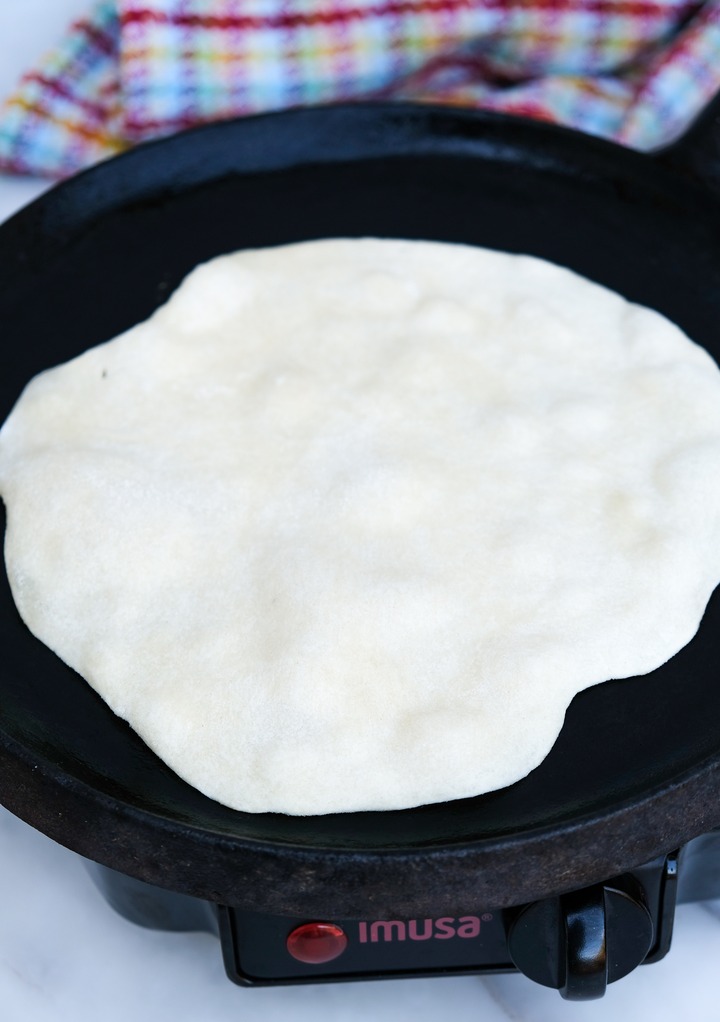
(633, 70)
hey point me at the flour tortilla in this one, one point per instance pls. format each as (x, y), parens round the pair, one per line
(346, 524)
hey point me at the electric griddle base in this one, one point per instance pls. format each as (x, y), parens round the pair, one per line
(601, 931)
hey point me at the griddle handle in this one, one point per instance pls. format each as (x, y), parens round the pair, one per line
(696, 154)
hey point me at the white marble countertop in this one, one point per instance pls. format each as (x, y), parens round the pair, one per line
(64, 955)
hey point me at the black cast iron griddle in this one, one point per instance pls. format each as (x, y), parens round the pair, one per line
(635, 771)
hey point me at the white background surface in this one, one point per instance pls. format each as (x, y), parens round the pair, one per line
(64, 955)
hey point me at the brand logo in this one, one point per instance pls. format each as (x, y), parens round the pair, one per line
(420, 929)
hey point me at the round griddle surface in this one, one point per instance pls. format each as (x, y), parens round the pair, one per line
(635, 769)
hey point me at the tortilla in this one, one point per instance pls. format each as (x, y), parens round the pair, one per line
(346, 524)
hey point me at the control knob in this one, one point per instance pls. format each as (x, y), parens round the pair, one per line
(577, 943)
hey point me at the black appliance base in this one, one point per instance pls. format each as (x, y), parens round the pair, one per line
(577, 942)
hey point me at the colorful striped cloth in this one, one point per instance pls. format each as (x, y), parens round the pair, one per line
(634, 70)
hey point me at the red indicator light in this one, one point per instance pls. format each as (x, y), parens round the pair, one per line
(316, 943)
